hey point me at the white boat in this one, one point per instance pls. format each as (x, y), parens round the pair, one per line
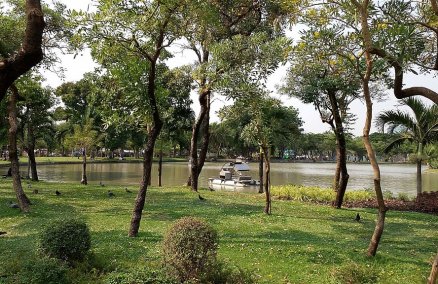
(234, 174)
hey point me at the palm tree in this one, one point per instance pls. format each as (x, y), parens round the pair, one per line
(420, 129)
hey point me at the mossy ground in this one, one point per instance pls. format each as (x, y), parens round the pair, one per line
(299, 243)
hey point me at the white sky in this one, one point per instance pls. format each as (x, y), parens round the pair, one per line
(76, 67)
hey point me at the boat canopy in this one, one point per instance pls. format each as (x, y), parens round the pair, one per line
(241, 167)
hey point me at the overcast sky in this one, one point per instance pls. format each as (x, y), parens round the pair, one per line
(76, 67)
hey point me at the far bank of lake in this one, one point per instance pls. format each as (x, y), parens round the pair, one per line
(395, 177)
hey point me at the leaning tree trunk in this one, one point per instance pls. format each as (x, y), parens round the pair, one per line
(149, 149)
(23, 201)
(84, 180)
(30, 53)
(205, 138)
(433, 272)
(194, 164)
(267, 209)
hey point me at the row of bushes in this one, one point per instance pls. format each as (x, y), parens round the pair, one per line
(189, 256)
(327, 195)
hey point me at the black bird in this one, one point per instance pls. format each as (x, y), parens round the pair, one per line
(57, 193)
(201, 198)
(101, 183)
(29, 185)
(110, 194)
(127, 190)
(13, 205)
(357, 217)
(35, 191)
(3, 233)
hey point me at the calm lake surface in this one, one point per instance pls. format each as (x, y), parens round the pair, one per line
(395, 177)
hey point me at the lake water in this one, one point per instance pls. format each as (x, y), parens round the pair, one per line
(395, 177)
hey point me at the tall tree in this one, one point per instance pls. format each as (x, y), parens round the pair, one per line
(213, 26)
(266, 117)
(84, 137)
(321, 73)
(35, 116)
(141, 31)
(420, 129)
(362, 8)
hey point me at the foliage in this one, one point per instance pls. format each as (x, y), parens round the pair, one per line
(223, 273)
(140, 276)
(66, 239)
(189, 246)
(316, 194)
(354, 273)
(42, 271)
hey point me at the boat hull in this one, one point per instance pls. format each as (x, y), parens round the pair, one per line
(232, 182)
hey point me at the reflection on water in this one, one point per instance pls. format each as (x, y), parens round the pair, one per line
(396, 178)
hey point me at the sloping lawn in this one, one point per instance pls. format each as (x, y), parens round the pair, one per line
(298, 243)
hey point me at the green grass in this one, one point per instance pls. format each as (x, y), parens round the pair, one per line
(299, 243)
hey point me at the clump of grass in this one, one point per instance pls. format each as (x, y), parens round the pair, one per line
(354, 273)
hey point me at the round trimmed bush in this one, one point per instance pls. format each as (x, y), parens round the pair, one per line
(189, 246)
(68, 240)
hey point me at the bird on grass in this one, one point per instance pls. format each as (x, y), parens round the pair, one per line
(201, 198)
(357, 217)
(35, 191)
(57, 193)
(127, 190)
(13, 205)
(101, 183)
(110, 194)
(29, 185)
(3, 233)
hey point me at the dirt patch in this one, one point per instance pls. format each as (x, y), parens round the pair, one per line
(426, 202)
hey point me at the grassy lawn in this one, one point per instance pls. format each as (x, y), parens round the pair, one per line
(298, 243)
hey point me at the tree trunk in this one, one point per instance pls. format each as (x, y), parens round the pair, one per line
(378, 231)
(194, 164)
(32, 160)
(150, 144)
(433, 272)
(160, 167)
(341, 151)
(22, 199)
(267, 209)
(30, 52)
(419, 182)
(205, 138)
(261, 171)
(84, 180)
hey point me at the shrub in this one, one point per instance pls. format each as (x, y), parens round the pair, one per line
(68, 240)
(354, 273)
(223, 273)
(140, 276)
(42, 271)
(189, 246)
